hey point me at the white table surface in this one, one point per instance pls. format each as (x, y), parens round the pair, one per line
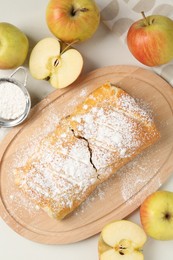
(103, 49)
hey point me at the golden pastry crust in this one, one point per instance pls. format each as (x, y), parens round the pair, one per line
(102, 134)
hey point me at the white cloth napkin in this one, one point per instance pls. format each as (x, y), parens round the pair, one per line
(118, 15)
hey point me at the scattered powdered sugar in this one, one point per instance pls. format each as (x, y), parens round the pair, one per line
(74, 101)
(135, 107)
(12, 101)
(51, 121)
(83, 92)
(137, 173)
(85, 107)
(19, 202)
(98, 193)
(145, 107)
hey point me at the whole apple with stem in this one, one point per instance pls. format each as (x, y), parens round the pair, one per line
(50, 60)
(121, 240)
(156, 214)
(150, 40)
(13, 46)
(72, 20)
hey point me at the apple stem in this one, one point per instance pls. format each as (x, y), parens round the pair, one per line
(74, 11)
(143, 14)
(68, 46)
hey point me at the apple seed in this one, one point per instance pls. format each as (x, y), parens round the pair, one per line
(56, 62)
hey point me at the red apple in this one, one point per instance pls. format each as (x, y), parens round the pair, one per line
(150, 40)
(72, 20)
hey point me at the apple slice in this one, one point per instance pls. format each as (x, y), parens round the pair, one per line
(121, 240)
(48, 62)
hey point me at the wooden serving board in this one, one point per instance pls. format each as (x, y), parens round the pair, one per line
(114, 199)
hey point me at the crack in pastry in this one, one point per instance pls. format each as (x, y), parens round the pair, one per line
(58, 176)
(89, 148)
(101, 135)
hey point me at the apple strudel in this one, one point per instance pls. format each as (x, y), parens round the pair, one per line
(101, 135)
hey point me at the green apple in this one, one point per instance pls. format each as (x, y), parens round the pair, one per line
(47, 61)
(150, 40)
(72, 20)
(13, 46)
(121, 240)
(156, 214)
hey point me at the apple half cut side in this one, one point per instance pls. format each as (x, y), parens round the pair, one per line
(49, 63)
(121, 240)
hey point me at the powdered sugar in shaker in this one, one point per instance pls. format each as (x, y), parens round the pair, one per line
(14, 100)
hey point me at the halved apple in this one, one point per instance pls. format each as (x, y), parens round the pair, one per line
(121, 240)
(47, 61)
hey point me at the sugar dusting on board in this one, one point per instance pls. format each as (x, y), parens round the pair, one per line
(43, 183)
(145, 170)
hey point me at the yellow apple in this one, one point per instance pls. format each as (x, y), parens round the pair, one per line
(156, 214)
(121, 240)
(13, 46)
(47, 61)
(72, 20)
